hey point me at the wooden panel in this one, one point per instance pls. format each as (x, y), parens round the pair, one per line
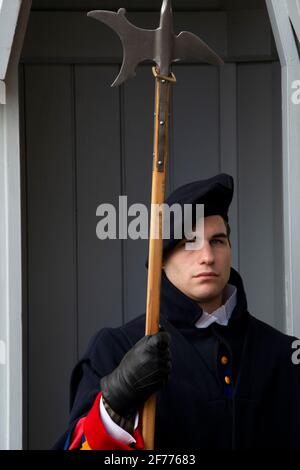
(54, 35)
(249, 35)
(244, 4)
(277, 178)
(258, 190)
(196, 123)
(147, 4)
(113, 5)
(98, 176)
(51, 250)
(228, 147)
(234, 35)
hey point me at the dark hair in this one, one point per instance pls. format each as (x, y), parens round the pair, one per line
(228, 231)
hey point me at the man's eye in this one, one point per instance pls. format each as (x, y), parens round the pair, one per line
(217, 241)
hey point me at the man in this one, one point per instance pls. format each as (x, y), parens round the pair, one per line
(224, 380)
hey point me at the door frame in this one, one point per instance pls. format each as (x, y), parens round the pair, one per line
(15, 14)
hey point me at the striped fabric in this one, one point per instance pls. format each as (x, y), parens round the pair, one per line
(90, 434)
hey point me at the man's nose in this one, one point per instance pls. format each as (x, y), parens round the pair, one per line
(206, 255)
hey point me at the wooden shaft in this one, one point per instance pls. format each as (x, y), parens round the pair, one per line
(156, 244)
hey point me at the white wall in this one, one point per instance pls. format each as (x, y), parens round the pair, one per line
(9, 12)
(282, 12)
(10, 247)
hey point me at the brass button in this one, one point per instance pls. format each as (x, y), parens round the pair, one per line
(224, 360)
(227, 380)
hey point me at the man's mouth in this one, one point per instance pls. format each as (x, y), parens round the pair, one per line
(207, 274)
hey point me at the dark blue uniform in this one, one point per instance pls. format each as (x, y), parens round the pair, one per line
(231, 387)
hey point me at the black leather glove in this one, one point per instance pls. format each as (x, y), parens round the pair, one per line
(143, 370)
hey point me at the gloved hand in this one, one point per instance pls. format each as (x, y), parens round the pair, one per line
(143, 370)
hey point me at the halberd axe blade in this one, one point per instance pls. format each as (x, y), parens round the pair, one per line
(160, 45)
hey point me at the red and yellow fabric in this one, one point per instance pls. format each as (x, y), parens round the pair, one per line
(90, 433)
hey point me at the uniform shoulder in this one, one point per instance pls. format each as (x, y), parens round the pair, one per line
(107, 347)
(271, 335)
(122, 337)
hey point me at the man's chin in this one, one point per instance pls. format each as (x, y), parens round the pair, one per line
(206, 297)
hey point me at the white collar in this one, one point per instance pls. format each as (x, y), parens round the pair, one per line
(223, 313)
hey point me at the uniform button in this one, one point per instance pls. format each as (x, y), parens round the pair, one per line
(224, 360)
(227, 380)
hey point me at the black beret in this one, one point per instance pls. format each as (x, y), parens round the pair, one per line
(215, 193)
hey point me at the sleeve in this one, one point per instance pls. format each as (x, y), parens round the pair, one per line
(92, 433)
(86, 428)
(118, 427)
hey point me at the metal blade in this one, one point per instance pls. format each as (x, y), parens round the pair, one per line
(160, 45)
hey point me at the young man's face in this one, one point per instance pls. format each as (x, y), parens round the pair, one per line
(202, 274)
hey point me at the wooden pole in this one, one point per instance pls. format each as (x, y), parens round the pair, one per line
(160, 154)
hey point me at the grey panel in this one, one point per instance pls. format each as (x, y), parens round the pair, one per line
(54, 35)
(138, 119)
(228, 147)
(128, 4)
(258, 190)
(234, 35)
(98, 182)
(196, 123)
(147, 4)
(279, 303)
(51, 250)
(23, 176)
(244, 4)
(249, 35)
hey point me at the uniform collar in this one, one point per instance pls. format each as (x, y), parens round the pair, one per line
(222, 314)
(184, 312)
